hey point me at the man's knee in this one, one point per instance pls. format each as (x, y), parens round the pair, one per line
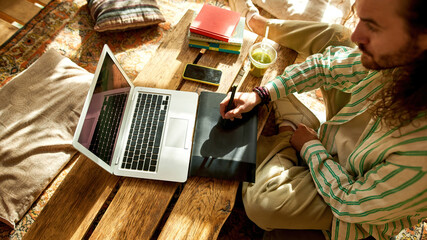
(260, 208)
(287, 201)
(272, 200)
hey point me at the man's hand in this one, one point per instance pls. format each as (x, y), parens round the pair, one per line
(302, 135)
(243, 102)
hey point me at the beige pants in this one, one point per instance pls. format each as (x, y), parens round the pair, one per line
(331, 11)
(305, 37)
(284, 195)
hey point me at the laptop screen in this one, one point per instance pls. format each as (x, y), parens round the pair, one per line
(103, 119)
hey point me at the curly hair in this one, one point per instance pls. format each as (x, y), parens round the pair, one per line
(404, 98)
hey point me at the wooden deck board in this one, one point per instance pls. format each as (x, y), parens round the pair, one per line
(20, 10)
(45, 1)
(41, 2)
(201, 210)
(75, 203)
(136, 210)
(6, 31)
(169, 52)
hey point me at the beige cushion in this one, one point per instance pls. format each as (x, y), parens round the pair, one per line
(39, 111)
(124, 14)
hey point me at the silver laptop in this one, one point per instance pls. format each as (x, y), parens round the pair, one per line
(136, 131)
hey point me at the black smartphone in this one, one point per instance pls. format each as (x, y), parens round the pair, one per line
(202, 74)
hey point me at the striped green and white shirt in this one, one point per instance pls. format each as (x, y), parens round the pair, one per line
(373, 177)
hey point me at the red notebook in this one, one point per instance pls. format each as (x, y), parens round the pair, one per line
(215, 22)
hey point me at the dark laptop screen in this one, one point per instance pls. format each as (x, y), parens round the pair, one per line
(103, 119)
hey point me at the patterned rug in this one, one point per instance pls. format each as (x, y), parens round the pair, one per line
(66, 26)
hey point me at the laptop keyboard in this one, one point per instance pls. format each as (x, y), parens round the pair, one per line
(106, 129)
(143, 146)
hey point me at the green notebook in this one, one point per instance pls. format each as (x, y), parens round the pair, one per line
(223, 150)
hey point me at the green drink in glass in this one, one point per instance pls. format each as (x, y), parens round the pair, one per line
(261, 55)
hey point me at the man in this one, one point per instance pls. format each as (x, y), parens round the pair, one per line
(364, 173)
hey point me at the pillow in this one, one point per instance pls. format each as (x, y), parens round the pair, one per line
(39, 111)
(124, 14)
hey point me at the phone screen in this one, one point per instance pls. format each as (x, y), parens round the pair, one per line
(202, 74)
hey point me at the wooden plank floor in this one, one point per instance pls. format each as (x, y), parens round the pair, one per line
(14, 14)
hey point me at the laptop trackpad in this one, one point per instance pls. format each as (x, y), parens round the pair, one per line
(177, 132)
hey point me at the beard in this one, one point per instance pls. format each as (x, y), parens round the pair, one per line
(403, 97)
(405, 55)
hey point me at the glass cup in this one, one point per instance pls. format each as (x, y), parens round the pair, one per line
(261, 56)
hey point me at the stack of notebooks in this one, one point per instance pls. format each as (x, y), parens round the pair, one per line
(217, 29)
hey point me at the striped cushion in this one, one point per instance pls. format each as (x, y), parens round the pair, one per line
(124, 14)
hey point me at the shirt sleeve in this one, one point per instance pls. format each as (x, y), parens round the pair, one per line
(392, 191)
(336, 67)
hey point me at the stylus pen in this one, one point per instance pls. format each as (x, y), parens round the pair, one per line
(230, 102)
